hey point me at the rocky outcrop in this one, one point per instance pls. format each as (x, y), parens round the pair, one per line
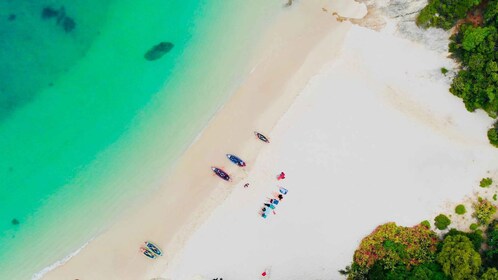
(158, 51)
(400, 15)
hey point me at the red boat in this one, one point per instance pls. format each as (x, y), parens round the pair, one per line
(222, 174)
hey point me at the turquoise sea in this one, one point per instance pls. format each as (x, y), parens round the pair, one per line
(88, 125)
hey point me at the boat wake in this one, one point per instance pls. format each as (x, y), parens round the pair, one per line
(39, 275)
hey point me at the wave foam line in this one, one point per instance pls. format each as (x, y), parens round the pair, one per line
(39, 275)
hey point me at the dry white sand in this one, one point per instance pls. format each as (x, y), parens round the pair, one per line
(374, 137)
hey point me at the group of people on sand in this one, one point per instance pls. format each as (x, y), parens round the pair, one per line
(271, 203)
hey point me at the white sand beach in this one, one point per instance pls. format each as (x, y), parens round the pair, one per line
(373, 136)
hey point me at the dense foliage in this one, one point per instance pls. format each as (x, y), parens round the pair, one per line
(490, 274)
(491, 252)
(474, 46)
(444, 13)
(456, 255)
(493, 135)
(391, 251)
(442, 222)
(396, 246)
(458, 258)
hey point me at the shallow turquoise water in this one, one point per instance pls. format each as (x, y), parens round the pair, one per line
(87, 124)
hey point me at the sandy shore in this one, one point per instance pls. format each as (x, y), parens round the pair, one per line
(299, 43)
(374, 137)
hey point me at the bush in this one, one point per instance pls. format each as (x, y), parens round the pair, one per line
(444, 70)
(442, 222)
(483, 211)
(493, 137)
(494, 197)
(485, 182)
(473, 226)
(426, 224)
(460, 209)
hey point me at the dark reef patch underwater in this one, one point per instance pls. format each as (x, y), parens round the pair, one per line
(157, 51)
(42, 40)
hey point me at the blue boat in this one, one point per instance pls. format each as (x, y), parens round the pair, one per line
(153, 248)
(236, 160)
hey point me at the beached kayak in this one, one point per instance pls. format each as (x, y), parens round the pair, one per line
(261, 137)
(222, 174)
(153, 248)
(236, 160)
(147, 253)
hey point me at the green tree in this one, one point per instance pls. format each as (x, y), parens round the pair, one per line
(491, 252)
(427, 271)
(475, 237)
(473, 36)
(490, 274)
(458, 258)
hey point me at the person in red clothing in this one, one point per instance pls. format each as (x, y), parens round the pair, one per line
(281, 176)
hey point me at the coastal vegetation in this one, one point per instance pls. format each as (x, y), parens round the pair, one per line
(460, 209)
(442, 222)
(396, 252)
(483, 211)
(485, 182)
(473, 45)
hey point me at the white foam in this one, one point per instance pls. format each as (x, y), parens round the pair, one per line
(39, 275)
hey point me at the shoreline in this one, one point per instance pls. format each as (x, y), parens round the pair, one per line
(187, 198)
(373, 137)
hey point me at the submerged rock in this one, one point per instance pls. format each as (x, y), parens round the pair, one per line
(12, 17)
(158, 51)
(62, 20)
(48, 13)
(15, 222)
(68, 24)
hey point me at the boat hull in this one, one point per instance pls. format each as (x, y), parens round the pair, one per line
(222, 174)
(236, 160)
(261, 137)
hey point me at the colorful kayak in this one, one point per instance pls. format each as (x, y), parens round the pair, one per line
(147, 253)
(153, 248)
(261, 137)
(236, 160)
(222, 174)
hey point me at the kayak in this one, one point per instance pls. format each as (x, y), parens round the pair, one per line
(147, 253)
(236, 160)
(222, 174)
(261, 137)
(153, 248)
